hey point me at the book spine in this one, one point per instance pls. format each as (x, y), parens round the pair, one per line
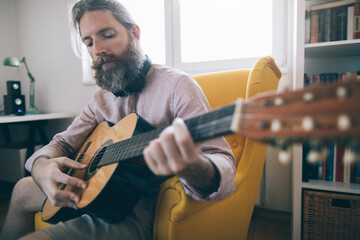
(314, 31)
(350, 23)
(339, 175)
(356, 23)
(321, 26)
(333, 25)
(330, 163)
(347, 170)
(355, 178)
(342, 23)
(307, 26)
(327, 28)
(310, 170)
(305, 164)
(323, 165)
(320, 168)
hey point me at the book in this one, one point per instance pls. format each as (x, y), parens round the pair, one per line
(310, 170)
(341, 23)
(307, 27)
(314, 27)
(327, 27)
(323, 165)
(321, 37)
(356, 21)
(350, 23)
(333, 24)
(331, 4)
(347, 169)
(305, 164)
(355, 175)
(330, 163)
(339, 163)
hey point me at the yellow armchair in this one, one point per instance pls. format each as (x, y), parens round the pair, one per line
(179, 216)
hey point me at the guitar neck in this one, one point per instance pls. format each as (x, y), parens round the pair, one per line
(316, 114)
(207, 126)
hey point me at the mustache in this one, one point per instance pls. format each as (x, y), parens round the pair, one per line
(104, 59)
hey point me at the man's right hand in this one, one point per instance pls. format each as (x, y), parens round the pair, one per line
(48, 175)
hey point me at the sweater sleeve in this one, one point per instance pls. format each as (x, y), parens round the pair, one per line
(189, 101)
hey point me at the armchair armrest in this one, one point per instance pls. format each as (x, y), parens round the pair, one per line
(210, 218)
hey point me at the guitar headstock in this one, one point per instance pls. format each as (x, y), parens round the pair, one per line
(316, 115)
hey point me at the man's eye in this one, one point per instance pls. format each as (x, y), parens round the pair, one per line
(109, 36)
(89, 44)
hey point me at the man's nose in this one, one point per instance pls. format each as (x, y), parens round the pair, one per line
(99, 48)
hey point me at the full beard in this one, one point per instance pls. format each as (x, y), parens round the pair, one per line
(121, 78)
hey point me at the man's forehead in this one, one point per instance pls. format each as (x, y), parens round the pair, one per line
(97, 20)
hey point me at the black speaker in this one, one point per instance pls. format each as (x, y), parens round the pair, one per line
(15, 104)
(13, 88)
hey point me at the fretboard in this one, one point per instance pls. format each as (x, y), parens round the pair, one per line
(210, 125)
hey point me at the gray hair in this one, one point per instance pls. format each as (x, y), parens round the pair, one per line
(119, 12)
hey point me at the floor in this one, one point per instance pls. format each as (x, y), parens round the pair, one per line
(265, 224)
(269, 225)
(5, 193)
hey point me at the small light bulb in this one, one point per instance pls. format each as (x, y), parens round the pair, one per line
(308, 124)
(275, 125)
(285, 156)
(344, 122)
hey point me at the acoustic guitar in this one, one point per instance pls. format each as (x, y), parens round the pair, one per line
(117, 175)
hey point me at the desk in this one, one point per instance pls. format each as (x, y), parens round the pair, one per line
(35, 123)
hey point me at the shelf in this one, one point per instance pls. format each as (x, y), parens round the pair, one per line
(353, 188)
(34, 117)
(333, 49)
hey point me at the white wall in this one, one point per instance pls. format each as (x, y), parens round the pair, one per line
(8, 42)
(39, 30)
(43, 37)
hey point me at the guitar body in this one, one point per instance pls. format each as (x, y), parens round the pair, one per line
(113, 190)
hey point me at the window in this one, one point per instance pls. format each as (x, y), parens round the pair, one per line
(149, 15)
(221, 31)
(210, 35)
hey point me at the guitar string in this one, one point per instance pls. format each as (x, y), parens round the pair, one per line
(143, 143)
(126, 152)
(136, 147)
(150, 135)
(133, 147)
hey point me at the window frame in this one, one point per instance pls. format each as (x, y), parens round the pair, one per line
(280, 44)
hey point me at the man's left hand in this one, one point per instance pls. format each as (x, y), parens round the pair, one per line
(173, 152)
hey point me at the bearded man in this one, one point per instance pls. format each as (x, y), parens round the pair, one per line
(129, 83)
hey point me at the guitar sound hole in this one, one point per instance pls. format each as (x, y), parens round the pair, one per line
(93, 168)
(93, 165)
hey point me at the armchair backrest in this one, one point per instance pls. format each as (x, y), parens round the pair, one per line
(180, 217)
(222, 88)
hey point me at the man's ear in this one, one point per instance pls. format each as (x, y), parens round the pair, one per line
(136, 32)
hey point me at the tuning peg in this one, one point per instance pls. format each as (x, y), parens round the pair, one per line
(316, 155)
(342, 92)
(285, 155)
(308, 97)
(278, 101)
(351, 155)
(344, 122)
(275, 125)
(308, 123)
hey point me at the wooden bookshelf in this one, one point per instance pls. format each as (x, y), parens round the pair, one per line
(316, 58)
